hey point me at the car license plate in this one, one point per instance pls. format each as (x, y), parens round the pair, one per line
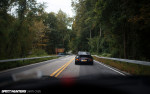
(84, 60)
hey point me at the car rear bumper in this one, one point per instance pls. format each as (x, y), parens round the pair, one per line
(81, 62)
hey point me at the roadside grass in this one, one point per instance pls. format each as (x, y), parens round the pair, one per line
(14, 64)
(133, 69)
(30, 56)
(102, 54)
(105, 55)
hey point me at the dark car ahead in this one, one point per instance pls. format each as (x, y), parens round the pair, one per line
(84, 58)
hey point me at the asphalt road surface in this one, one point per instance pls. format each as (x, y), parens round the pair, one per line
(65, 67)
(62, 67)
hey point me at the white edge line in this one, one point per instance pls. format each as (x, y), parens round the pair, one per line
(110, 68)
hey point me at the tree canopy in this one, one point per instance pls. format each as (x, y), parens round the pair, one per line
(117, 27)
(25, 26)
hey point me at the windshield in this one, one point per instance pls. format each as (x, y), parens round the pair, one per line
(44, 37)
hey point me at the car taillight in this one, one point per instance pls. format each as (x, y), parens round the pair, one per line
(77, 59)
(91, 59)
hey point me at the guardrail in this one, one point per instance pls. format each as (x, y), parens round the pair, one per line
(127, 60)
(19, 59)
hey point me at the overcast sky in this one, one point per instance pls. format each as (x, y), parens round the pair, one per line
(56, 5)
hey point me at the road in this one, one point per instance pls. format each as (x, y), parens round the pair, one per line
(62, 67)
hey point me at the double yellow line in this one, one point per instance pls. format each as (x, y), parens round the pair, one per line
(60, 70)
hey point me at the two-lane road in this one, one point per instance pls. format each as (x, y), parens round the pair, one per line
(62, 67)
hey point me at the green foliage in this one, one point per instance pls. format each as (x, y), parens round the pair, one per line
(30, 28)
(57, 32)
(18, 32)
(105, 55)
(118, 27)
(38, 52)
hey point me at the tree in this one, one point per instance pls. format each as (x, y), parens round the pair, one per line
(17, 35)
(118, 27)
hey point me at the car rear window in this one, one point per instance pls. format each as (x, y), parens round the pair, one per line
(85, 56)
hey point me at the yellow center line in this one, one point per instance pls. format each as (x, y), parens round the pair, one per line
(64, 68)
(61, 68)
(57, 70)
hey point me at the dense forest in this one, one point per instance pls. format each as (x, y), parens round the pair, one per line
(116, 28)
(25, 29)
(119, 28)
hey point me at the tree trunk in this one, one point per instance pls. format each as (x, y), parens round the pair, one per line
(125, 44)
(90, 34)
(100, 31)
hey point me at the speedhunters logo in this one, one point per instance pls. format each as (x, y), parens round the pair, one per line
(20, 91)
(13, 91)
